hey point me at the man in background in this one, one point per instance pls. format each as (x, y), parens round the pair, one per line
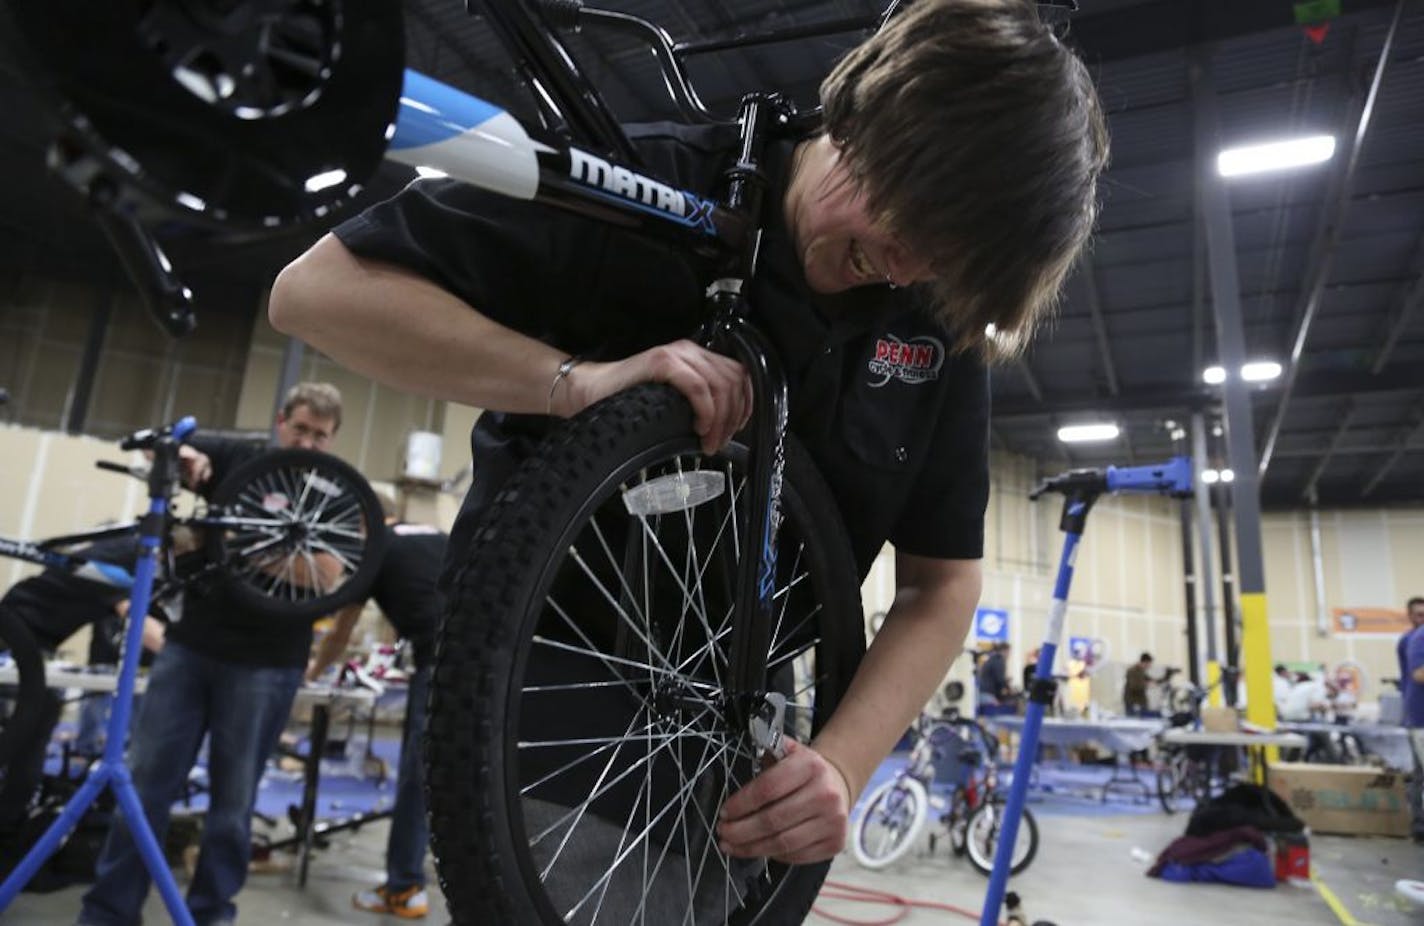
(54, 605)
(227, 673)
(993, 679)
(1134, 686)
(406, 588)
(1411, 678)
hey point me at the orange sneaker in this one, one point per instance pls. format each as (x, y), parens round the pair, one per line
(409, 904)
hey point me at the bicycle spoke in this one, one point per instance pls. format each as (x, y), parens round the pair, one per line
(642, 834)
(617, 608)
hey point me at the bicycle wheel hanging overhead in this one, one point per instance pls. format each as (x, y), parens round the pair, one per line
(254, 114)
(579, 744)
(295, 534)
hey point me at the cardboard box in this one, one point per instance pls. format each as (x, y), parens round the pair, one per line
(1220, 719)
(1348, 799)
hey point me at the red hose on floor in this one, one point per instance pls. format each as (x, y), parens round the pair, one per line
(839, 890)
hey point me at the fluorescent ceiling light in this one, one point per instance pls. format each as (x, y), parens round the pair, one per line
(1214, 376)
(1210, 476)
(1228, 476)
(430, 173)
(1260, 371)
(1279, 155)
(1087, 433)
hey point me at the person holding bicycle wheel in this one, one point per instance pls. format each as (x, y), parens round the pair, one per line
(227, 673)
(924, 230)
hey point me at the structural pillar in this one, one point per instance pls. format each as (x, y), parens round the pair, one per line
(1200, 463)
(1231, 354)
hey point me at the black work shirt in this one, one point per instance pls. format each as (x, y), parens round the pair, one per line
(896, 424)
(212, 623)
(407, 586)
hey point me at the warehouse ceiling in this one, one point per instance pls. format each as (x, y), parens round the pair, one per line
(1329, 258)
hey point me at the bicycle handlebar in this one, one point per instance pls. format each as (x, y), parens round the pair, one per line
(148, 438)
(138, 472)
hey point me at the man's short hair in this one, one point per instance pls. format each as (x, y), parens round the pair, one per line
(1145, 657)
(977, 138)
(1409, 606)
(322, 399)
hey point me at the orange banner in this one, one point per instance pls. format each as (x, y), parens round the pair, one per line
(1387, 621)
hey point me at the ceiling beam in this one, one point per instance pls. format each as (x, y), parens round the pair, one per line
(1320, 385)
(1360, 450)
(1100, 328)
(1406, 437)
(1409, 303)
(1168, 25)
(1031, 381)
(1327, 235)
(1346, 414)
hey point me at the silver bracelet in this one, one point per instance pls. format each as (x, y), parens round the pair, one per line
(564, 370)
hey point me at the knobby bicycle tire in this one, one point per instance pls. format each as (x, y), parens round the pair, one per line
(17, 726)
(894, 817)
(526, 829)
(294, 514)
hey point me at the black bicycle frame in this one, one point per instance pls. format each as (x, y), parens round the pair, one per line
(729, 230)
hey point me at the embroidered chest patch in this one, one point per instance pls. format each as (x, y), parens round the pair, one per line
(917, 360)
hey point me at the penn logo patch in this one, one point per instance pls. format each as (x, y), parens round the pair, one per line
(917, 360)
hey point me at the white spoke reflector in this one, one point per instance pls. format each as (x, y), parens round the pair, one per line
(674, 492)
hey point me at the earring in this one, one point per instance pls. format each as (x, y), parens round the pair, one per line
(893, 284)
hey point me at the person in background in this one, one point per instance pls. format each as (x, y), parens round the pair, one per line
(1412, 679)
(1309, 698)
(54, 605)
(1281, 684)
(1415, 611)
(993, 679)
(1134, 686)
(406, 589)
(226, 673)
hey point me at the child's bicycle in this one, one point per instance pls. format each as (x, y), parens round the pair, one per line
(951, 775)
(292, 534)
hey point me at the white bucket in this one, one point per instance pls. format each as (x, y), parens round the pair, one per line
(422, 455)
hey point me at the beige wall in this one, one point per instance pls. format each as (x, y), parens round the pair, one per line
(1127, 587)
(142, 375)
(1370, 558)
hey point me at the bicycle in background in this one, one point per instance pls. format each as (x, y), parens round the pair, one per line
(952, 777)
(293, 534)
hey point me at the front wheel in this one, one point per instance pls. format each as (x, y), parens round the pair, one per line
(1173, 783)
(982, 837)
(894, 817)
(578, 745)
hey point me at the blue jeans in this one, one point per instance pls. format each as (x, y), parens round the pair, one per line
(410, 833)
(242, 709)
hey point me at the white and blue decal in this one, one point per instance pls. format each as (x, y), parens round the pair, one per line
(464, 136)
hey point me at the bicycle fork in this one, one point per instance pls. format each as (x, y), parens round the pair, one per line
(752, 617)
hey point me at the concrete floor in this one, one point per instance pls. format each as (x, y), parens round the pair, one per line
(1087, 873)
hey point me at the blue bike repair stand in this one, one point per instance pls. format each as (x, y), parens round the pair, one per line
(1080, 489)
(111, 771)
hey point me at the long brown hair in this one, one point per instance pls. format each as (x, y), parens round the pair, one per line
(978, 138)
